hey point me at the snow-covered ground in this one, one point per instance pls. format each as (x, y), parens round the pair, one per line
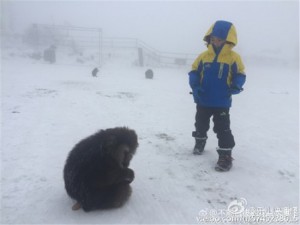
(46, 109)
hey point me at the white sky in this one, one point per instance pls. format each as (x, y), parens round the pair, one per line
(176, 26)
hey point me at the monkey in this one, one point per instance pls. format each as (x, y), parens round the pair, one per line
(95, 71)
(149, 74)
(97, 173)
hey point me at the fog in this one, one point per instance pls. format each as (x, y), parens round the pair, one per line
(263, 27)
(49, 103)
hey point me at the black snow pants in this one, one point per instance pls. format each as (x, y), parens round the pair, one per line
(221, 119)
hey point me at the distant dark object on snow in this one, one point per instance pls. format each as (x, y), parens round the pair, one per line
(49, 54)
(95, 71)
(149, 74)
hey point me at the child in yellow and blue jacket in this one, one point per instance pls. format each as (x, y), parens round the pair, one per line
(216, 75)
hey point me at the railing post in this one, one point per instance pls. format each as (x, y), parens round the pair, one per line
(100, 47)
(141, 56)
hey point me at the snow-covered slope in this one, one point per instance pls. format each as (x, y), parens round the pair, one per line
(47, 109)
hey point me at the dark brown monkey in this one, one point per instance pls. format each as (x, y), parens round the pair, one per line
(95, 71)
(96, 172)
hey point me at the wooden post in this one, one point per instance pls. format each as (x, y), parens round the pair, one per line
(100, 47)
(141, 57)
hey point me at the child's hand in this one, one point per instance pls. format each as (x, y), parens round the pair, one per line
(196, 93)
(235, 90)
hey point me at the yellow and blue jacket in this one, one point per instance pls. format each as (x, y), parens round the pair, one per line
(217, 74)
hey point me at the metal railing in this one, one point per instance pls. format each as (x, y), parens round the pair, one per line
(42, 36)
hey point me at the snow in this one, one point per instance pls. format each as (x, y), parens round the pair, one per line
(46, 109)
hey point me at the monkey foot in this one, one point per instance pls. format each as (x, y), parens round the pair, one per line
(76, 206)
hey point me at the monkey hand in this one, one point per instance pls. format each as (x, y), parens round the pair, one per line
(128, 176)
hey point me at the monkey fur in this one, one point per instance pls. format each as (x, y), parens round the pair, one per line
(96, 172)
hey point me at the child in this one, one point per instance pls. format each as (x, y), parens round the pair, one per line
(217, 74)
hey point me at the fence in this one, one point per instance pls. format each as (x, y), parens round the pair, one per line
(78, 40)
(148, 55)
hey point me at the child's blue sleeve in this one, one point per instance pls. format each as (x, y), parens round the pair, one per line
(194, 79)
(238, 78)
(194, 75)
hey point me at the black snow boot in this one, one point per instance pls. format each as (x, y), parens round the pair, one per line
(199, 146)
(200, 143)
(225, 160)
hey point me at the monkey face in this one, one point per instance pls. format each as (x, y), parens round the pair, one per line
(120, 146)
(127, 158)
(122, 155)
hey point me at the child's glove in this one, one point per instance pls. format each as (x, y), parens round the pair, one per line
(237, 84)
(234, 90)
(197, 92)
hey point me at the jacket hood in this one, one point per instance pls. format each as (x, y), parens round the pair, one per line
(224, 30)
